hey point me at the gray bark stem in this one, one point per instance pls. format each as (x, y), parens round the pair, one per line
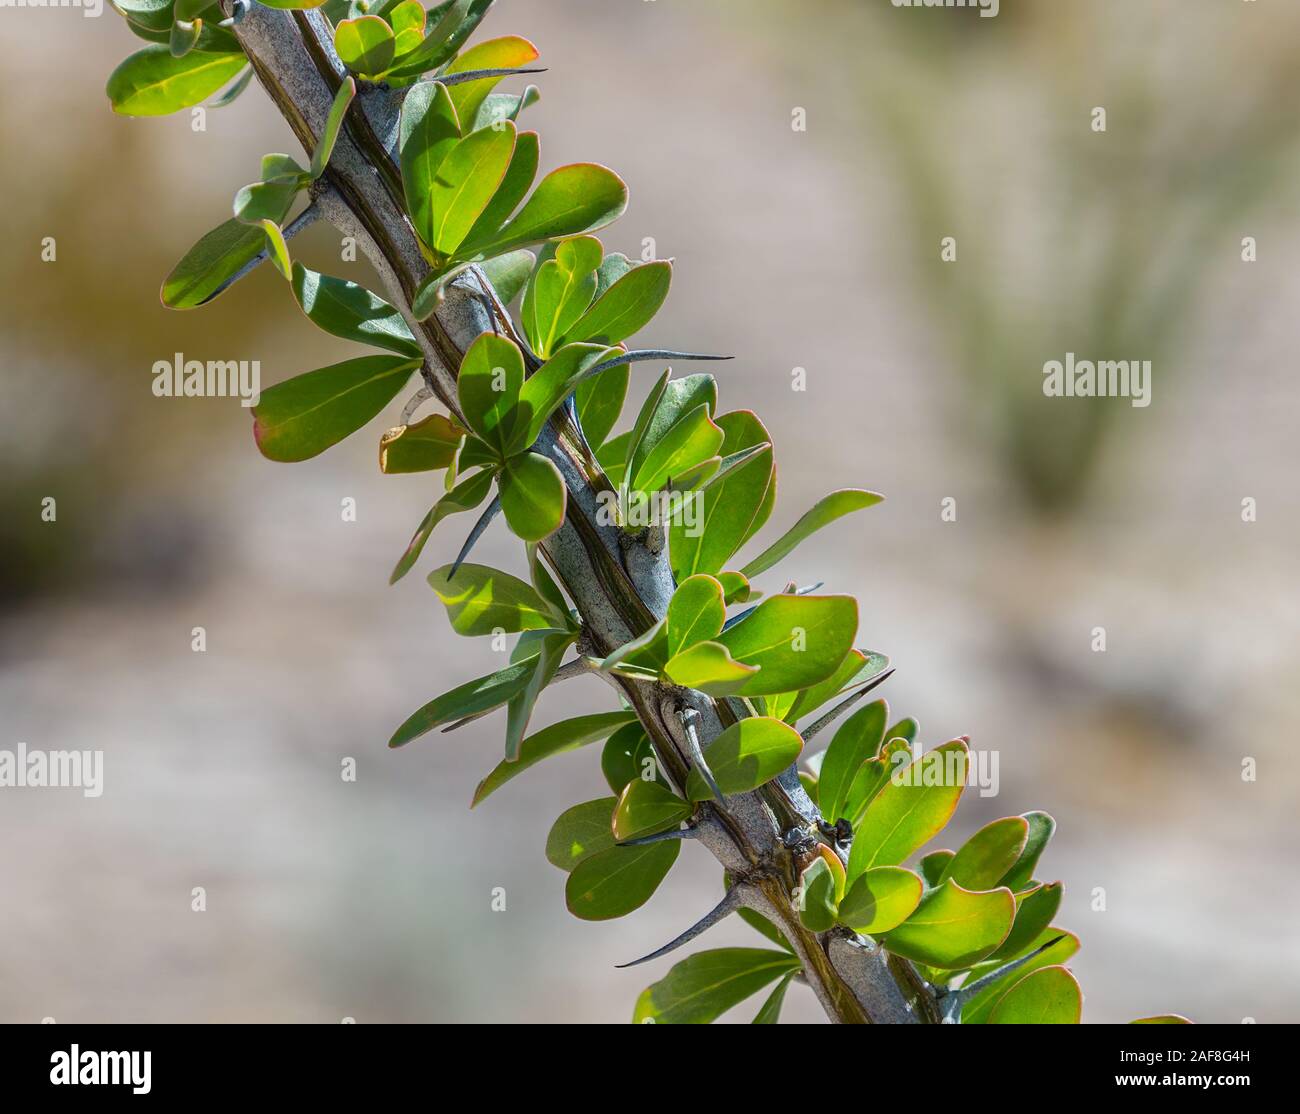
(620, 586)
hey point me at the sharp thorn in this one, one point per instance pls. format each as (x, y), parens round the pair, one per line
(688, 717)
(729, 904)
(965, 993)
(661, 837)
(485, 520)
(843, 706)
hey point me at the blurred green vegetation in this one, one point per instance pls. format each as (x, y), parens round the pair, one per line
(1105, 245)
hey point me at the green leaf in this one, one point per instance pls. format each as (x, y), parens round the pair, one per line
(508, 273)
(184, 37)
(734, 508)
(701, 988)
(833, 506)
(770, 1014)
(456, 21)
(491, 376)
(153, 83)
(858, 667)
(480, 695)
(532, 497)
(505, 106)
(574, 199)
(580, 832)
(911, 809)
(619, 881)
(507, 53)
(872, 777)
(480, 600)
(1041, 827)
(600, 402)
(626, 307)
(628, 755)
(817, 891)
(334, 123)
(1049, 996)
(304, 416)
(746, 755)
(646, 807)
(710, 668)
(465, 496)
(987, 856)
(347, 310)
(561, 289)
(954, 927)
(1162, 1019)
(210, 263)
(795, 641)
(265, 201)
(857, 741)
(933, 865)
(425, 446)
(667, 404)
(695, 613)
(365, 45)
(556, 739)
(546, 390)
(279, 250)
(881, 899)
(1063, 945)
(903, 729)
(514, 187)
(690, 441)
(427, 131)
(464, 183)
(1034, 912)
(520, 709)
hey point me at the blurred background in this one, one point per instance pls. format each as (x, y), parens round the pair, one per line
(817, 249)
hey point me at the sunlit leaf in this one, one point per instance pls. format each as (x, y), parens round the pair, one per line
(795, 641)
(616, 882)
(710, 668)
(626, 307)
(827, 510)
(304, 416)
(506, 53)
(701, 988)
(365, 45)
(746, 755)
(471, 698)
(1050, 996)
(986, 857)
(574, 199)
(482, 600)
(857, 740)
(210, 263)
(559, 738)
(152, 82)
(953, 927)
(532, 497)
(646, 807)
(352, 312)
(422, 447)
(914, 805)
(580, 832)
(881, 899)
